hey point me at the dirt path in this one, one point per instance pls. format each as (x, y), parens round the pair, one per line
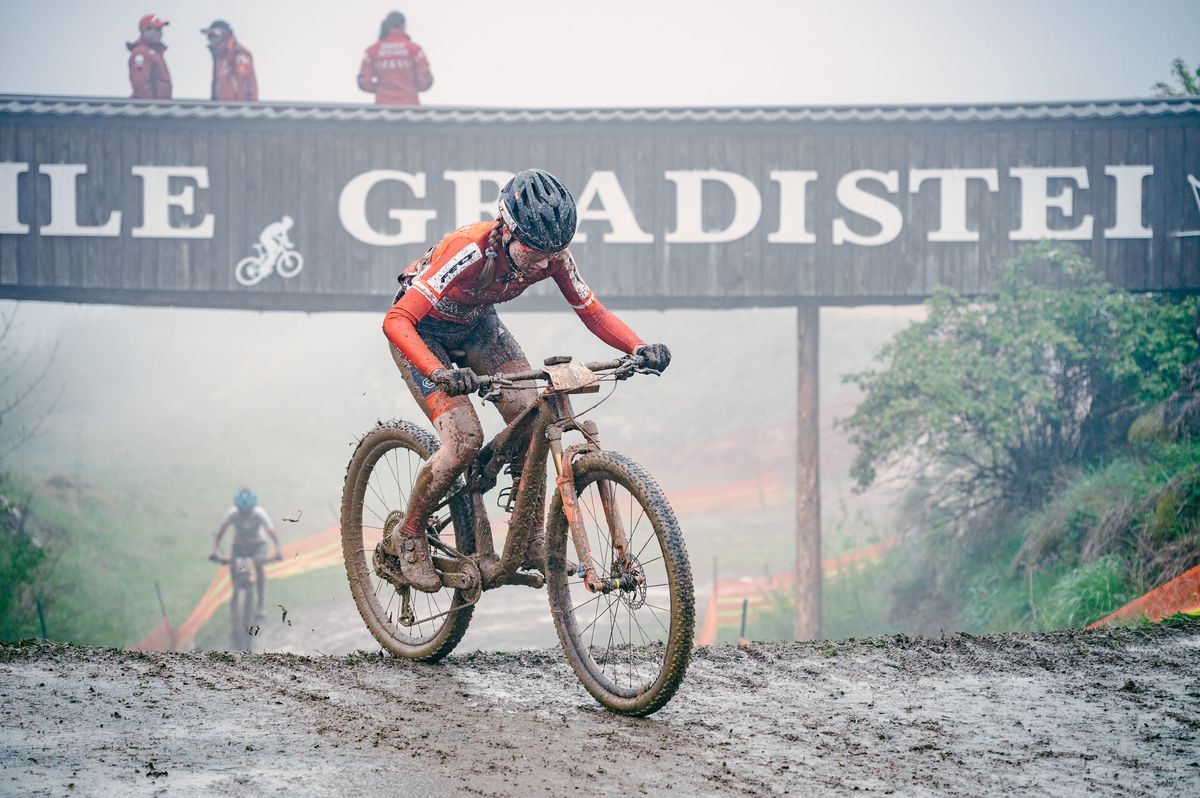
(1063, 714)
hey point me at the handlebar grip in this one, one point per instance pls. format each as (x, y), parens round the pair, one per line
(540, 374)
(536, 374)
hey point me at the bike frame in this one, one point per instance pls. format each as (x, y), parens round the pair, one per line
(546, 421)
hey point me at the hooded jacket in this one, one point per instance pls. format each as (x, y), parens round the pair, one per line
(395, 70)
(148, 72)
(233, 72)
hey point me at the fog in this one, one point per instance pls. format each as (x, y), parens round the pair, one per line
(161, 413)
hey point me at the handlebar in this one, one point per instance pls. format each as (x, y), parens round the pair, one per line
(227, 560)
(630, 362)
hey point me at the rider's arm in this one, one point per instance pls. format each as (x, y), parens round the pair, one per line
(457, 257)
(603, 323)
(216, 548)
(400, 327)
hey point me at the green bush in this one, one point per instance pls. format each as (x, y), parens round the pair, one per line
(22, 563)
(1086, 594)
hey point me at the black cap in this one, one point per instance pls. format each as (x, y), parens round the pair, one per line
(217, 24)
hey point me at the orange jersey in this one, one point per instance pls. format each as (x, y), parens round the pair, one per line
(450, 288)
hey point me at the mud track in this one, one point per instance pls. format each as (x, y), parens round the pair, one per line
(1116, 713)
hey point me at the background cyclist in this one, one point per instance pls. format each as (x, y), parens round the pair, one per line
(446, 302)
(249, 522)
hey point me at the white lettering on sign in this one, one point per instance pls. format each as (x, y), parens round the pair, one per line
(793, 208)
(864, 203)
(953, 182)
(471, 205)
(9, 222)
(157, 201)
(1046, 195)
(1128, 181)
(614, 209)
(64, 209)
(689, 212)
(352, 209)
(1036, 203)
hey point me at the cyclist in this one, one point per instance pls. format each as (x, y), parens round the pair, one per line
(248, 521)
(273, 240)
(446, 302)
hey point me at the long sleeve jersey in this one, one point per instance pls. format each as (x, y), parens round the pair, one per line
(449, 288)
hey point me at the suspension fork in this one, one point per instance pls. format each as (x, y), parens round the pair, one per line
(564, 467)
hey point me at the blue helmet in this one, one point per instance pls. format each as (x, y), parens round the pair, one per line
(245, 499)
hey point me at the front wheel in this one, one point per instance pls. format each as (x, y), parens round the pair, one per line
(630, 648)
(290, 263)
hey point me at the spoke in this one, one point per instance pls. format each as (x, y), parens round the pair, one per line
(371, 510)
(642, 631)
(382, 501)
(629, 629)
(592, 625)
(392, 468)
(595, 617)
(647, 543)
(614, 627)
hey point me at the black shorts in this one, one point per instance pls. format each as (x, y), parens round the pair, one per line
(255, 550)
(488, 345)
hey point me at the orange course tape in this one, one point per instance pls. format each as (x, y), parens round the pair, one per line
(1179, 596)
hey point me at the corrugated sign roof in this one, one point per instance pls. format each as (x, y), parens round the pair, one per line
(202, 109)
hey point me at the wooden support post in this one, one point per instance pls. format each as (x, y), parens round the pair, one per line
(807, 585)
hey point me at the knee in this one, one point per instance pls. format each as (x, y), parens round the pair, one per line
(460, 447)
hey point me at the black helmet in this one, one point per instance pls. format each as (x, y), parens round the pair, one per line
(539, 210)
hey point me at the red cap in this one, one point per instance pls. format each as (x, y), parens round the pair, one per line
(151, 21)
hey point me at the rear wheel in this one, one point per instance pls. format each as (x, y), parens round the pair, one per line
(630, 648)
(379, 480)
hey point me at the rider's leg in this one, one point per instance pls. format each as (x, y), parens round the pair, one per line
(235, 638)
(492, 349)
(461, 436)
(260, 565)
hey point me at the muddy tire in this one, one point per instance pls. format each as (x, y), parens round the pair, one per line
(378, 481)
(630, 649)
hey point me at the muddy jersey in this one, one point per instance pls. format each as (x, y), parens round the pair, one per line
(247, 527)
(450, 284)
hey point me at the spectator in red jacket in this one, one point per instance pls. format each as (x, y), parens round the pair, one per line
(147, 69)
(233, 66)
(394, 68)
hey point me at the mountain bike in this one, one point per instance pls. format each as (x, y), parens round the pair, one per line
(243, 600)
(621, 599)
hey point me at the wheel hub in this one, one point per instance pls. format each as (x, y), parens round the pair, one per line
(633, 582)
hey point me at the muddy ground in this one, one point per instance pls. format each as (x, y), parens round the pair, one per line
(1111, 713)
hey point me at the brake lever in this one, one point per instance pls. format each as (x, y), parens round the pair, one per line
(625, 370)
(491, 391)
